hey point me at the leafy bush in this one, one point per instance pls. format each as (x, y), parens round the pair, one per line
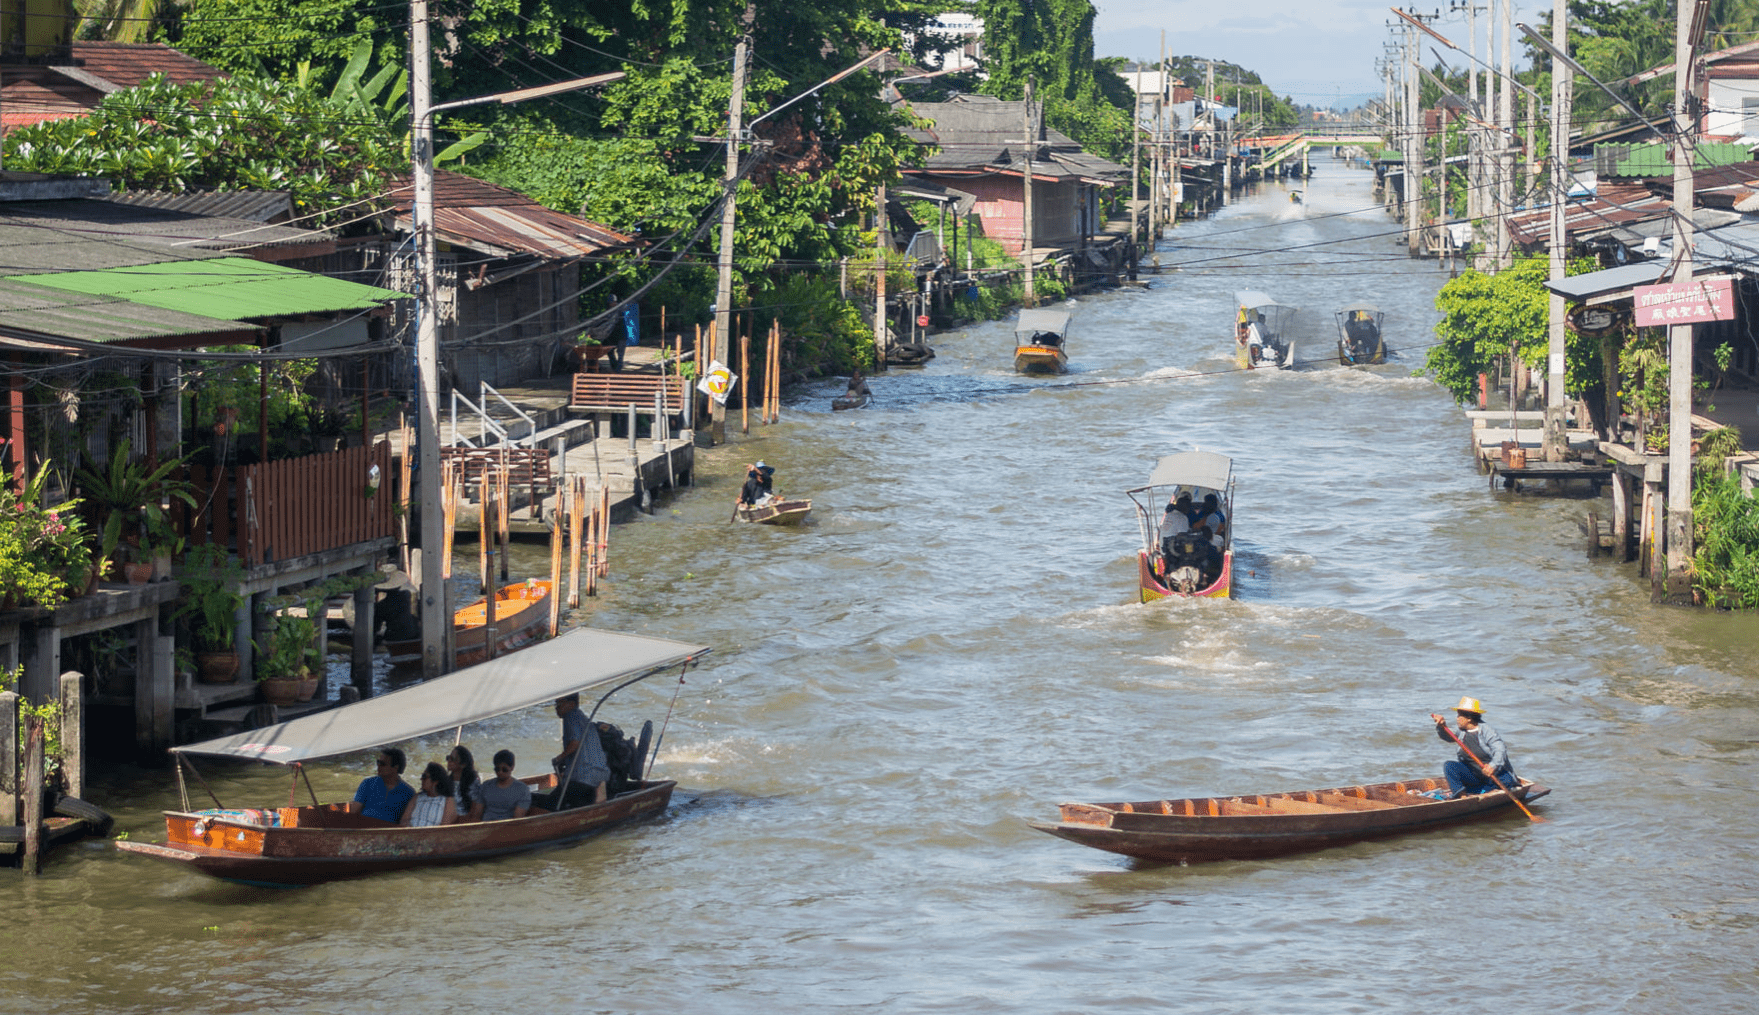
(1725, 524)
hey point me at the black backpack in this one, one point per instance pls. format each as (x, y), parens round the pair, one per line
(620, 758)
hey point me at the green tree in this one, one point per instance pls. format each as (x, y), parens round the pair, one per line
(1486, 317)
(1051, 41)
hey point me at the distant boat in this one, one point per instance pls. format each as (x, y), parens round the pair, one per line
(1261, 332)
(1041, 342)
(1255, 826)
(1359, 337)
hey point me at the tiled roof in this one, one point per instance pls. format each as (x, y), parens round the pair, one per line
(481, 216)
(126, 64)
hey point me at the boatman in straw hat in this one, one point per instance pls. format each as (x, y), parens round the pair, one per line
(1483, 757)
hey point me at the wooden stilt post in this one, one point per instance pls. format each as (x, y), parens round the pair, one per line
(452, 494)
(32, 792)
(575, 501)
(485, 526)
(405, 473)
(745, 382)
(503, 516)
(555, 572)
(604, 532)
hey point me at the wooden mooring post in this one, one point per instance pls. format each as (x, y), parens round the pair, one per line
(9, 795)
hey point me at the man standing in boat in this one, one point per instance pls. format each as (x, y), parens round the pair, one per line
(1483, 759)
(756, 490)
(586, 776)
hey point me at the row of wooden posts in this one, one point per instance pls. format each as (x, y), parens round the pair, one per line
(770, 398)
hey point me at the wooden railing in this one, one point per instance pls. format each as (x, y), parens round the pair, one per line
(294, 507)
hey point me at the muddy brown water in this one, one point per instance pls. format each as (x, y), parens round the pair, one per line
(952, 646)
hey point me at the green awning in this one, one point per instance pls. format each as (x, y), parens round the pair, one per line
(230, 288)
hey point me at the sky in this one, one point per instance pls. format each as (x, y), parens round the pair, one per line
(1314, 51)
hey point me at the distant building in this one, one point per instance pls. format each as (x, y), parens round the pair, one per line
(958, 43)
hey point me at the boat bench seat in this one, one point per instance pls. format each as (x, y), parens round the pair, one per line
(616, 392)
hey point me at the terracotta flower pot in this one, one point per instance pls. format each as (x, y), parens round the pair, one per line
(217, 667)
(308, 687)
(138, 574)
(280, 690)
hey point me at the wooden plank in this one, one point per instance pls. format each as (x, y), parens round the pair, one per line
(1352, 803)
(1289, 805)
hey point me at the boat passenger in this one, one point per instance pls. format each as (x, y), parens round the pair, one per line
(587, 776)
(1210, 516)
(505, 797)
(1483, 758)
(756, 491)
(857, 386)
(433, 805)
(383, 796)
(466, 802)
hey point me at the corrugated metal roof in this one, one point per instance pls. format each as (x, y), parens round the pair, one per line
(249, 205)
(1611, 208)
(481, 216)
(983, 134)
(39, 309)
(86, 226)
(229, 288)
(1640, 160)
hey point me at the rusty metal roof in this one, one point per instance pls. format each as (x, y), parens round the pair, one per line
(494, 220)
(1611, 207)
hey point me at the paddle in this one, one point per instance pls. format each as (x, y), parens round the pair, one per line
(1442, 724)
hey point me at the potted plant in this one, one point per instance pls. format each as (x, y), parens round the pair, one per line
(127, 500)
(45, 558)
(210, 602)
(282, 665)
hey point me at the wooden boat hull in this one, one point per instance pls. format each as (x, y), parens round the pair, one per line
(323, 848)
(1259, 826)
(1151, 588)
(522, 616)
(1040, 359)
(843, 402)
(780, 512)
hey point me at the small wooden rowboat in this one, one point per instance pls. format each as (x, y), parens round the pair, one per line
(1276, 824)
(776, 512)
(522, 613)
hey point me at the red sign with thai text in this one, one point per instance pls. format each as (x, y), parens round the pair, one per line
(1694, 302)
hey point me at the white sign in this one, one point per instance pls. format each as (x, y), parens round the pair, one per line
(718, 382)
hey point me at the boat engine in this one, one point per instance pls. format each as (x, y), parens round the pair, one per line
(1184, 555)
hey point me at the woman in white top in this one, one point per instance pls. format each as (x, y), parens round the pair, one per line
(433, 805)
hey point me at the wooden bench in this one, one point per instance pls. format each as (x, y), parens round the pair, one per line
(609, 393)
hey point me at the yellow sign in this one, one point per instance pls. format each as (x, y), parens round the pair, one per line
(718, 382)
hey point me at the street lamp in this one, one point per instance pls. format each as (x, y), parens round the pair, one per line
(436, 624)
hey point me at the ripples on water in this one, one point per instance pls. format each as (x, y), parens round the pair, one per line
(951, 646)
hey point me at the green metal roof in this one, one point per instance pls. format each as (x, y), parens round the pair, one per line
(1652, 159)
(230, 288)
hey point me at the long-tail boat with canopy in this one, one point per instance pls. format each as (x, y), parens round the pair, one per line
(304, 845)
(1179, 558)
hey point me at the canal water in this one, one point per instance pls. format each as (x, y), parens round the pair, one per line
(952, 646)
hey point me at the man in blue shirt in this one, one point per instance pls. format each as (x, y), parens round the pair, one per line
(1482, 760)
(587, 776)
(383, 796)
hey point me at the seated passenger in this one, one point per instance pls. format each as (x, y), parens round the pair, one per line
(433, 805)
(1210, 517)
(1172, 525)
(383, 796)
(505, 797)
(467, 804)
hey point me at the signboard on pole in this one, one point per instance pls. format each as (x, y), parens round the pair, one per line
(717, 383)
(1695, 302)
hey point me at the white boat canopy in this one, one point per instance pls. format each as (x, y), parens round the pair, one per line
(1364, 307)
(1034, 321)
(579, 660)
(1251, 298)
(1193, 468)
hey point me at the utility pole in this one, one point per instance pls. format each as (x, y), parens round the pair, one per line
(724, 279)
(436, 618)
(1026, 216)
(1415, 136)
(1505, 160)
(1136, 161)
(1556, 442)
(882, 241)
(1679, 336)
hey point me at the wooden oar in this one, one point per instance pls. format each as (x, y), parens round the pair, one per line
(1443, 724)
